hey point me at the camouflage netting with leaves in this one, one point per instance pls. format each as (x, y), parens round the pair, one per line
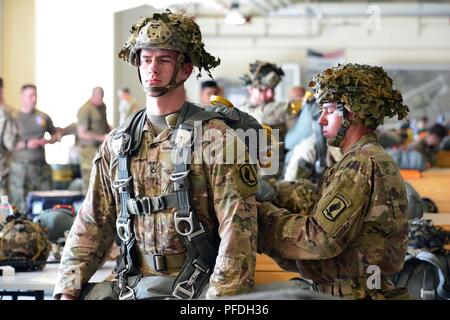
(172, 31)
(424, 236)
(365, 90)
(263, 74)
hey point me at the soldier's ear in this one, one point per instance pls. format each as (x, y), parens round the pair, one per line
(186, 70)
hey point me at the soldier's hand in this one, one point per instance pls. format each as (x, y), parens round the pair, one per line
(67, 297)
(21, 145)
(36, 143)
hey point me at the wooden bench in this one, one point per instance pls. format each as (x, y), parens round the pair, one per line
(443, 159)
(268, 271)
(433, 183)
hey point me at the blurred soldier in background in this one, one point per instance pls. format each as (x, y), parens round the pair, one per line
(261, 81)
(209, 88)
(428, 146)
(8, 139)
(127, 105)
(28, 165)
(92, 128)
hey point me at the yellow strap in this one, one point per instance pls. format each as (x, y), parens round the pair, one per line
(220, 101)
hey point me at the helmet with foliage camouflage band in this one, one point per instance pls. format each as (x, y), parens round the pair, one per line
(263, 75)
(23, 239)
(366, 91)
(171, 31)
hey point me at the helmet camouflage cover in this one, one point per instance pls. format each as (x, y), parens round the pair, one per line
(263, 74)
(171, 31)
(364, 90)
(23, 239)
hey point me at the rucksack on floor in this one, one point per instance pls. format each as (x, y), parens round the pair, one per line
(426, 276)
(426, 272)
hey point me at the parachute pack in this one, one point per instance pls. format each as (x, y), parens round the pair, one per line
(426, 272)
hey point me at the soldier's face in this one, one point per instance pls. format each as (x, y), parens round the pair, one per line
(158, 65)
(262, 95)
(206, 94)
(330, 119)
(28, 98)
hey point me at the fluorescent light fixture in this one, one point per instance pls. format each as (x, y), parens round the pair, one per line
(234, 16)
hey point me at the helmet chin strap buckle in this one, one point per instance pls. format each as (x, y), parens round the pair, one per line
(337, 140)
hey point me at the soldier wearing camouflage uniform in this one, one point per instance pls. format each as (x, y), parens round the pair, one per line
(8, 138)
(361, 217)
(92, 127)
(261, 81)
(165, 47)
(28, 165)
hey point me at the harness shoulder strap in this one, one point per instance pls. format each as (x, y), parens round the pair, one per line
(130, 134)
(201, 249)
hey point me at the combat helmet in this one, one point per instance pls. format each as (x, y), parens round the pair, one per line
(171, 31)
(367, 91)
(23, 240)
(263, 75)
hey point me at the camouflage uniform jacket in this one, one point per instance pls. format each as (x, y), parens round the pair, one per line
(274, 114)
(360, 220)
(222, 199)
(8, 139)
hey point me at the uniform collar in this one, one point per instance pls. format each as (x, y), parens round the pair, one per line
(171, 120)
(365, 139)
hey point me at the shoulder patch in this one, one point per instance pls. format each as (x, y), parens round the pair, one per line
(336, 206)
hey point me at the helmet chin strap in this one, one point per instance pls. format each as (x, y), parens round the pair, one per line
(172, 83)
(337, 140)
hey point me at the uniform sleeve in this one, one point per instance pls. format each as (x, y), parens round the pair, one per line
(83, 118)
(50, 126)
(92, 233)
(10, 133)
(234, 186)
(335, 222)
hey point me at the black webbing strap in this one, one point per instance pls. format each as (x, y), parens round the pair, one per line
(131, 135)
(404, 275)
(201, 253)
(150, 205)
(125, 231)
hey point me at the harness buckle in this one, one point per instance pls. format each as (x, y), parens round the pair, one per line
(427, 294)
(186, 220)
(189, 289)
(188, 292)
(196, 233)
(179, 175)
(122, 184)
(159, 262)
(123, 229)
(128, 295)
